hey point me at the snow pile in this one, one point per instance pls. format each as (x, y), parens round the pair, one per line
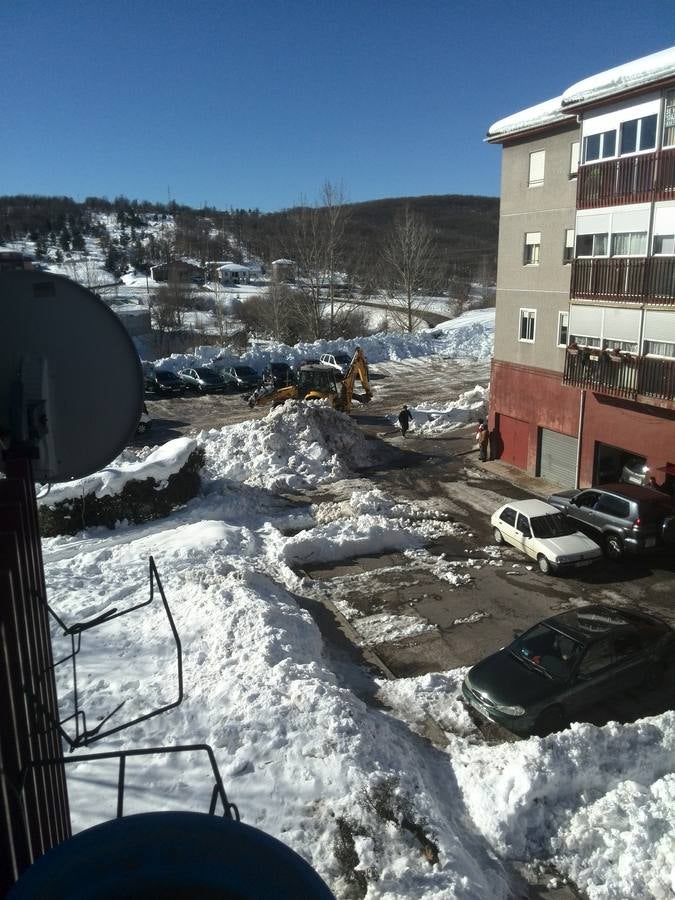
(297, 445)
(436, 694)
(301, 755)
(599, 801)
(159, 464)
(433, 420)
(470, 335)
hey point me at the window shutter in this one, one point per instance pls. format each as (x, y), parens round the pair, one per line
(537, 161)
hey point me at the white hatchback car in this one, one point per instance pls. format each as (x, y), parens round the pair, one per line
(544, 534)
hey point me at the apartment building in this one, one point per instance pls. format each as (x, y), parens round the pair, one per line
(583, 375)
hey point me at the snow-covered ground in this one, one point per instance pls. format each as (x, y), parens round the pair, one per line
(303, 754)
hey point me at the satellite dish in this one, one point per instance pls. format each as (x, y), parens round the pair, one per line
(71, 384)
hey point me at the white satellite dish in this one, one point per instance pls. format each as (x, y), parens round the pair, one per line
(71, 384)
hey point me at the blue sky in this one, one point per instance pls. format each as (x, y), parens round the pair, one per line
(258, 104)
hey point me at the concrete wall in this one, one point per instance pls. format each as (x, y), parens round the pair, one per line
(535, 396)
(550, 209)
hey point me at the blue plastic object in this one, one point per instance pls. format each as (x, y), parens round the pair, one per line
(177, 855)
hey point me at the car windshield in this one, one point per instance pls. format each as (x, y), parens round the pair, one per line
(549, 650)
(244, 371)
(208, 375)
(551, 526)
(342, 358)
(166, 376)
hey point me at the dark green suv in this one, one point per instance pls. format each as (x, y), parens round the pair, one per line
(622, 518)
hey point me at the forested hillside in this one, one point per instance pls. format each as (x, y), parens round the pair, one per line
(462, 231)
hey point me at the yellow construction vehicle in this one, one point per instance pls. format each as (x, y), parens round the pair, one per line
(317, 382)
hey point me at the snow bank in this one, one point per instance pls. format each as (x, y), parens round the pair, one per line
(469, 335)
(297, 749)
(162, 462)
(433, 419)
(599, 801)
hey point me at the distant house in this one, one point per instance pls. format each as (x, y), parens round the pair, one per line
(283, 271)
(233, 273)
(176, 270)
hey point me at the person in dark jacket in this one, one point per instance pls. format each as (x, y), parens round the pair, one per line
(482, 439)
(404, 419)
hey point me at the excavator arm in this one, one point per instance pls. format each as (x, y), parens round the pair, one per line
(358, 369)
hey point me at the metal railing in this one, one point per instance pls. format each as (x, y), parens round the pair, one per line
(634, 279)
(620, 375)
(628, 179)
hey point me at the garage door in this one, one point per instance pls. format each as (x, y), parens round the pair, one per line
(512, 441)
(558, 458)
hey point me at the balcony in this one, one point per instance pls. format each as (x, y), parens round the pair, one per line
(628, 179)
(634, 279)
(644, 378)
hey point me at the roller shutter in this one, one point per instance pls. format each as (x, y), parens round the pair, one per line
(558, 458)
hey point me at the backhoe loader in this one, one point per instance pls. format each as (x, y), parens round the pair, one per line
(317, 382)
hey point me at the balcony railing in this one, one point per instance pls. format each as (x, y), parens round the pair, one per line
(620, 375)
(628, 179)
(643, 279)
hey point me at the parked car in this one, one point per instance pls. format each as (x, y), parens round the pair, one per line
(279, 374)
(145, 421)
(164, 382)
(635, 471)
(339, 361)
(622, 518)
(544, 534)
(203, 379)
(244, 377)
(549, 675)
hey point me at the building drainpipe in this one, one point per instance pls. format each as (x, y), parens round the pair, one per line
(582, 408)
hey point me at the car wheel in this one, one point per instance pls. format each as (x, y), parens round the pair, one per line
(613, 547)
(551, 720)
(544, 564)
(498, 536)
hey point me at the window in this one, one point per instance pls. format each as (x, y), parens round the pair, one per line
(508, 515)
(563, 320)
(669, 121)
(568, 248)
(613, 506)
(588, 499)
(623, 346)
(523, 525)
(584, 340)
(638, 134)
(664, 244)
(659, 348)
(598, 657)
(574, 158)
(526, 329)
(629, 243)
(592, 245)
(537, 161)
(599, 146)
(532, 248)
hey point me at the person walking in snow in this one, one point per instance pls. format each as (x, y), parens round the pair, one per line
(404, 419)
(482, 438)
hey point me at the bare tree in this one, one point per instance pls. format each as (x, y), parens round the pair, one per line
(459, 286)
(315, 241)
(407, 254)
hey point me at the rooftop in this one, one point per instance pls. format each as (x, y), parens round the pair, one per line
(640, 73)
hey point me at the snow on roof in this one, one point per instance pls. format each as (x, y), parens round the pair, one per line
(283, 262)
(233, 267)
(547, 113)
(637, 73)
